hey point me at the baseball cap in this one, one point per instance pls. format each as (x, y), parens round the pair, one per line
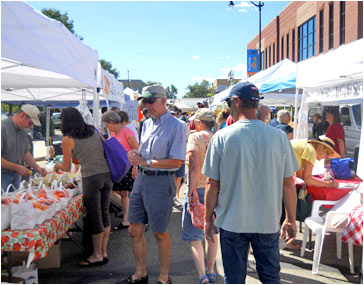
(151, 91)
(245, 90)
(32, 112)
(204, 114)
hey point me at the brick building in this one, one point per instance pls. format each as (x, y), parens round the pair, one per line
(306, 29)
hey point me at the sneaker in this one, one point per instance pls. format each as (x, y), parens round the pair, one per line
(176, 203)
(251, 266)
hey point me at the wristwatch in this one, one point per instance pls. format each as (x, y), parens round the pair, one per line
(149, 162)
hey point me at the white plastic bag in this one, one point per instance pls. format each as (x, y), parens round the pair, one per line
(30, 274)
(22, 214)
(6, 208)
(85, 112)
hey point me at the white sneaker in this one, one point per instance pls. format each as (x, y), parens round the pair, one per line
(251, 266)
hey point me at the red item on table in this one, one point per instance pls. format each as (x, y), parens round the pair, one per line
(354, 226)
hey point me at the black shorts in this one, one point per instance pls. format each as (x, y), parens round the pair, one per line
(126, 184)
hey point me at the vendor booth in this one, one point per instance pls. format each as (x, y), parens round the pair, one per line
(333, 78)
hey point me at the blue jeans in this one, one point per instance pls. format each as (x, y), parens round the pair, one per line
(235, 249)
(10, 178)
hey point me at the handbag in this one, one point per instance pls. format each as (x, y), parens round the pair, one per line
(342, 167)
(197, 211)
(303, 209)
(116, 157)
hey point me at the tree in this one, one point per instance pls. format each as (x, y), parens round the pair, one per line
(61, 17)
(171, 92)
(108, 66)
(198, 90)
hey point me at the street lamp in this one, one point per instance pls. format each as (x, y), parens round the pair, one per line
(259, 5)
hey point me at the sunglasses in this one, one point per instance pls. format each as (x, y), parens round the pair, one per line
(230, 100)
(149, 101)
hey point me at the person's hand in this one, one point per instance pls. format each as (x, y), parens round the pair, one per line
(333, 184)
(42, 171)
(190, 192)
(134, 157)
(264, 111)
(288, 231)
(134, 172)
(210, 229)
(23, 171)
(56, 167)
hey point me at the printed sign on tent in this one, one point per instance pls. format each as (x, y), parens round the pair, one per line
(112, 88)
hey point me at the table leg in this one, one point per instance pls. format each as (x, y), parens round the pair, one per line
(9, 266)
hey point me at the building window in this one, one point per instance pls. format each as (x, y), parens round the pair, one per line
(307, 39)
(282, 48)
(321, 35)
(270, 54)
(293, 45)
(274, 53)
(331, 25)
(342, 22)
(265, 58)
(262, 58)
(287, 46)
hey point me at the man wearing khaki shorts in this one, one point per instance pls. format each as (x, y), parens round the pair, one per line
(162, 152)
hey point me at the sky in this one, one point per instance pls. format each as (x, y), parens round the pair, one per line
(171, 42)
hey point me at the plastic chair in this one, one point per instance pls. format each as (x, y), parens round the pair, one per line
(334, 221)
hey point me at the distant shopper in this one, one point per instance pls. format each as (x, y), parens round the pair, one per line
(15, 146)
(199, 105)
(319, 127)
(284, 118)
(335, 131)
(146, 116)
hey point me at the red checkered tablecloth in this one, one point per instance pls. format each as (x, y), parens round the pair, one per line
(354, 226)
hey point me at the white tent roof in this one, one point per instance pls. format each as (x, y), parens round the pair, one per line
(33, 40)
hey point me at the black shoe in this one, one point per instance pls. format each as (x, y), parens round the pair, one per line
(129, 280)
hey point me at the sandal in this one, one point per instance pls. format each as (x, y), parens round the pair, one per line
(120, 227)
(91, 264)
(129, 280)
(211, 277)
(203, 278)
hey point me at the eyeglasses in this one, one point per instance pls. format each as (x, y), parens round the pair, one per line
(230, 100)
(30, 120)
(149, 101)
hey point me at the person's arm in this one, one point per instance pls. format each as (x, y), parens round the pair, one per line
(135, 159)
(342, 147)
(211, 196)
(133, 142)
(29, 159)
(20, 169)
(309, 180)
(194, 171)
(67, 146)
(289, 229)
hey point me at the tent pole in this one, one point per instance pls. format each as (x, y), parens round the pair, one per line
(295, 114)
(96, 107)
(48, 125)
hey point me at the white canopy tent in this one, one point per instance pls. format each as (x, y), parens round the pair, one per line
(41, 59)
(333, 78)
(277, 83)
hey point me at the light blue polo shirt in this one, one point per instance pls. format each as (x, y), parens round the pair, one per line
(250, 159)
(162, 139)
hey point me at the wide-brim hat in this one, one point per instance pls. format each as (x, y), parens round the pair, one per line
(327, 142)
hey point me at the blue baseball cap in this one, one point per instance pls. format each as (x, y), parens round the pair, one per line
(245, 90)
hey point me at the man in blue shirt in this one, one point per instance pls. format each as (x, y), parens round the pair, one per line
(162, 152)
(249, 166)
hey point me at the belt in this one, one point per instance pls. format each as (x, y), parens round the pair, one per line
(155, 172)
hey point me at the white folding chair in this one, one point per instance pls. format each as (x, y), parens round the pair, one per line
(334, 221)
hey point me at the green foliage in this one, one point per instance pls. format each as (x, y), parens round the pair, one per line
(148, 83)
(234, 81)
(171, 92)
(6, 108)
(199, 90)
(61, 17)
(108, 66)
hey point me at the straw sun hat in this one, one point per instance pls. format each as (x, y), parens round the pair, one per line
(327, 142)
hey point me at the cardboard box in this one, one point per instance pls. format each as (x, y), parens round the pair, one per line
(53, 258)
